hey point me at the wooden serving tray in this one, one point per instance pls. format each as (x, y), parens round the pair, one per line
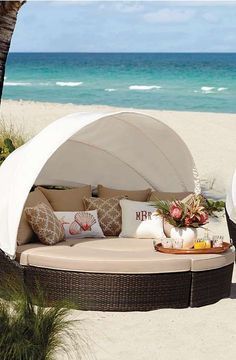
(216, 250)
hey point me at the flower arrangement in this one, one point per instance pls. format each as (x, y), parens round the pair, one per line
(191, 212)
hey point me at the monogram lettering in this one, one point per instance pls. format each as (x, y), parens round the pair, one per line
(143, 215)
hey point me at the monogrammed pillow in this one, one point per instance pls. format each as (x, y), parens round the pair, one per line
(138, 220)
(109, 213)
(45, 224)
(80, 224)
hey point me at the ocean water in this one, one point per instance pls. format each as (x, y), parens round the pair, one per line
(189, 82)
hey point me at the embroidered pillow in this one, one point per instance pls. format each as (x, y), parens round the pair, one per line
(109, 213)
(138, 220)
(45, 224)
(80, 224)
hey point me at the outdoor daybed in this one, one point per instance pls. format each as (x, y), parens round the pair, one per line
(123, 150)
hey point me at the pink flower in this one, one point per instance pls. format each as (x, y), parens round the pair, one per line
(188, 221)
(203, 218)
(176, 211)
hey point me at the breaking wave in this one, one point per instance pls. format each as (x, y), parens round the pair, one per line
(69, 83)
(144, 87)
(11, 83)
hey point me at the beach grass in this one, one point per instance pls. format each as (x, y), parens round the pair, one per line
(13, 132)
(35, 332)
(11, 137)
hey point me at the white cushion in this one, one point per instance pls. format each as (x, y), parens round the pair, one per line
(138, 220)
(80, 224)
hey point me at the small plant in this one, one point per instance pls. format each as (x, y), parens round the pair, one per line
(213, 207)
(30, 332)
(189, 213)
(10, 139)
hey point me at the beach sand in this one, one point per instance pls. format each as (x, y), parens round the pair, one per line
(196, 334)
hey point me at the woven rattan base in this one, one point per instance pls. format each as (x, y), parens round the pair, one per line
(122, 292)
(210, 286)
(10, 269)
(113, 292)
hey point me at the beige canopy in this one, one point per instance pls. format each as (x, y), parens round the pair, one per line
(124, 150)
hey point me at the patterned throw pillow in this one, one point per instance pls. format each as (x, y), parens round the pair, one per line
(109, 214)
(80, 224)
(45, 224)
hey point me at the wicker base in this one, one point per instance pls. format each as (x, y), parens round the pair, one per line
(113, 292)
(10, 269)
(123, 292)
(210, 286)
(231, 228)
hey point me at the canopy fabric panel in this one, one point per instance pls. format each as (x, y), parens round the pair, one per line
(125, 150)
(231, 199)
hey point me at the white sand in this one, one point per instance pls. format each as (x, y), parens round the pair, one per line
(196, 334)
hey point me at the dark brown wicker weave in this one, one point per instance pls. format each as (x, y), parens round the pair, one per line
(123, 292)
(113, 292)
(232, 228)
(10, 269)
(210, 286)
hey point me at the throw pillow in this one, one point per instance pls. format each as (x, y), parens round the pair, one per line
(139, 220)
(67, 200)
(25, 233)
(137, 195)
(156, 195)
(45, 224)
(109, 213)
(80, 224)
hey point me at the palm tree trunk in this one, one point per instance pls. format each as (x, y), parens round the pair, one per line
(8, 16)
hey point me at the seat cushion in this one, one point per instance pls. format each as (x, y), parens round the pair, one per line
(109, 255)
(116, 255)
(202, 262)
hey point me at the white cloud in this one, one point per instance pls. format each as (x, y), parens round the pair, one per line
(169, 15)
(122, 6)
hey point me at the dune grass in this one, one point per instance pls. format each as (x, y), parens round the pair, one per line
(29, 332)
(11, 137)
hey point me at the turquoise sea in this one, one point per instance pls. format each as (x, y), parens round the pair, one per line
(181, 81)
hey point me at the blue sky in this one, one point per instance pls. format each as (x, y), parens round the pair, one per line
(126, 26)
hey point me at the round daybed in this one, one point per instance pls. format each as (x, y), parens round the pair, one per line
(123, 150)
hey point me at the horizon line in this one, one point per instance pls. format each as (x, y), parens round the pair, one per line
(122, 52)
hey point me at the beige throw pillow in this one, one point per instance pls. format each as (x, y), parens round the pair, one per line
(67, 200)
(45, 224)
(137, 195)
(109, 214)
(158, 195)
(25, 233)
